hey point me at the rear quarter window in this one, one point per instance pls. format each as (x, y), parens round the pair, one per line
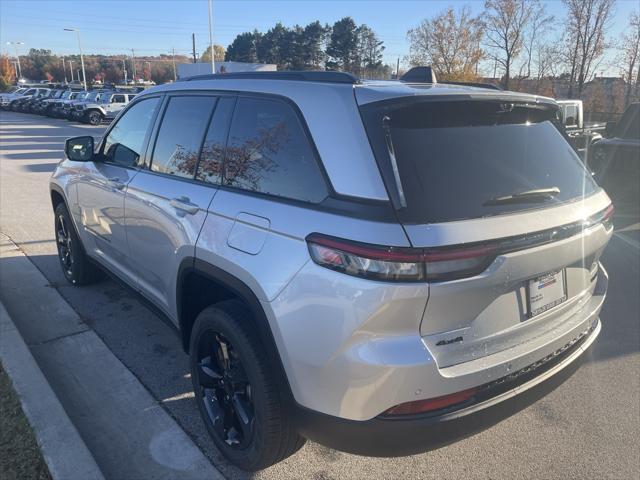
(269, 152)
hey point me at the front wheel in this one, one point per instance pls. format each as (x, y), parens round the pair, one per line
(237, 393)
(77, 268)
(95, 118)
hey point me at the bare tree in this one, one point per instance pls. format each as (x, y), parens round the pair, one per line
(630, 57)
(505, 24)
(449, 42)
(587, 21)
(537, 51)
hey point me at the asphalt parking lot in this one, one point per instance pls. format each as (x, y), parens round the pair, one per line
(587, 428)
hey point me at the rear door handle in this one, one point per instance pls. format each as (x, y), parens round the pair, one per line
(184, 204)
(115, 183)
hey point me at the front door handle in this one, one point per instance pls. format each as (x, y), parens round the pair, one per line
(184, 204)
(115, 183)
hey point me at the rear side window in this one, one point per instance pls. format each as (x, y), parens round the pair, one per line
(471, 159)
(180, 136)
(212, 156)
(268, 151)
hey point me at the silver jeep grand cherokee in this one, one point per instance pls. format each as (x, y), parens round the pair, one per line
(381, 267)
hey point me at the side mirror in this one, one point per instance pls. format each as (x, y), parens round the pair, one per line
(610, 128)
(79, 149)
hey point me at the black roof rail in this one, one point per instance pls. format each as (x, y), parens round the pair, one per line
(419, 75)
(310, 76)
(489, 86)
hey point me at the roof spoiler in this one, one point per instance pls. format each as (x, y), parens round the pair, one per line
(419, 75)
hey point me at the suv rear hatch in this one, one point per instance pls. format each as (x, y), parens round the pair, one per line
(511, 223)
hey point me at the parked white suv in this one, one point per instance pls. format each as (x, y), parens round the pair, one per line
(382, 267)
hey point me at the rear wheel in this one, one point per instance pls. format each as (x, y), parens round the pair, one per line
(236, 391)
(77, 268)
(95, 117)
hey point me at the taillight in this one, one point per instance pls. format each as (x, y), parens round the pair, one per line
(431, 404)
(368, 261)
(449, 264)
(607, 216)
(398, 263)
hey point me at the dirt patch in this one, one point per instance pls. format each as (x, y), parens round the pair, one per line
(20, 456)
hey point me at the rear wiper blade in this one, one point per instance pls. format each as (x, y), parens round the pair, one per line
(528, 196)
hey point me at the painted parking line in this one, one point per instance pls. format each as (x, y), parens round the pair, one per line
(628, 240)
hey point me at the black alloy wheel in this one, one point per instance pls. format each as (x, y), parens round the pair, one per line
(65, 245)
(225, 390)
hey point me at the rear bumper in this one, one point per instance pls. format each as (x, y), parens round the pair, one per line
(409, 435)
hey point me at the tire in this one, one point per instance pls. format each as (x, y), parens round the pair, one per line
(76, 267)
(94, 117)
(251, 391)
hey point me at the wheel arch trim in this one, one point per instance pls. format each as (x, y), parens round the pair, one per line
(243, 292)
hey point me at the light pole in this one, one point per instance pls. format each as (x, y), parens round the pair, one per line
(133, 65)
(124, 69)
(84, 77)
(213, 63)
(64, 70)
(70, 62)
(15, 45)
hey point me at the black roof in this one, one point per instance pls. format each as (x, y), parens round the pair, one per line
(311, 76)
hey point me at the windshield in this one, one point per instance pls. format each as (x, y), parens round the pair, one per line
(80, 96)
(65, 95)
(92, 96)
(460, 160)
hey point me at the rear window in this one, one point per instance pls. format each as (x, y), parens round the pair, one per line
(471, 159)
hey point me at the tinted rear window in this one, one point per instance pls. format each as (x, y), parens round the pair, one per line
(455, 158)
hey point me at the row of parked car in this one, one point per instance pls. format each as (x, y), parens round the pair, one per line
(93, 106)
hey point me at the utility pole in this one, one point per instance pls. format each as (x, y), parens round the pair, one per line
(193, 42)
(133, 64)
(213, 62)
(70, 62)
(173, 60)
(398, 69)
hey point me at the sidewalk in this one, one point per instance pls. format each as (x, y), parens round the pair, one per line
(64, 452)
(126, 430)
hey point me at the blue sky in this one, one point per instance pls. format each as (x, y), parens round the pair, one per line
(156, 26)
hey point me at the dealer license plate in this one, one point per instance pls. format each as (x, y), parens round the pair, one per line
(546, 291)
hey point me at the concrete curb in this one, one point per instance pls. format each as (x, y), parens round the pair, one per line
(63, 449)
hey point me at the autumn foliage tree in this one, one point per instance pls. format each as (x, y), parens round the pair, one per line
(7, 73)
(450, 43)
